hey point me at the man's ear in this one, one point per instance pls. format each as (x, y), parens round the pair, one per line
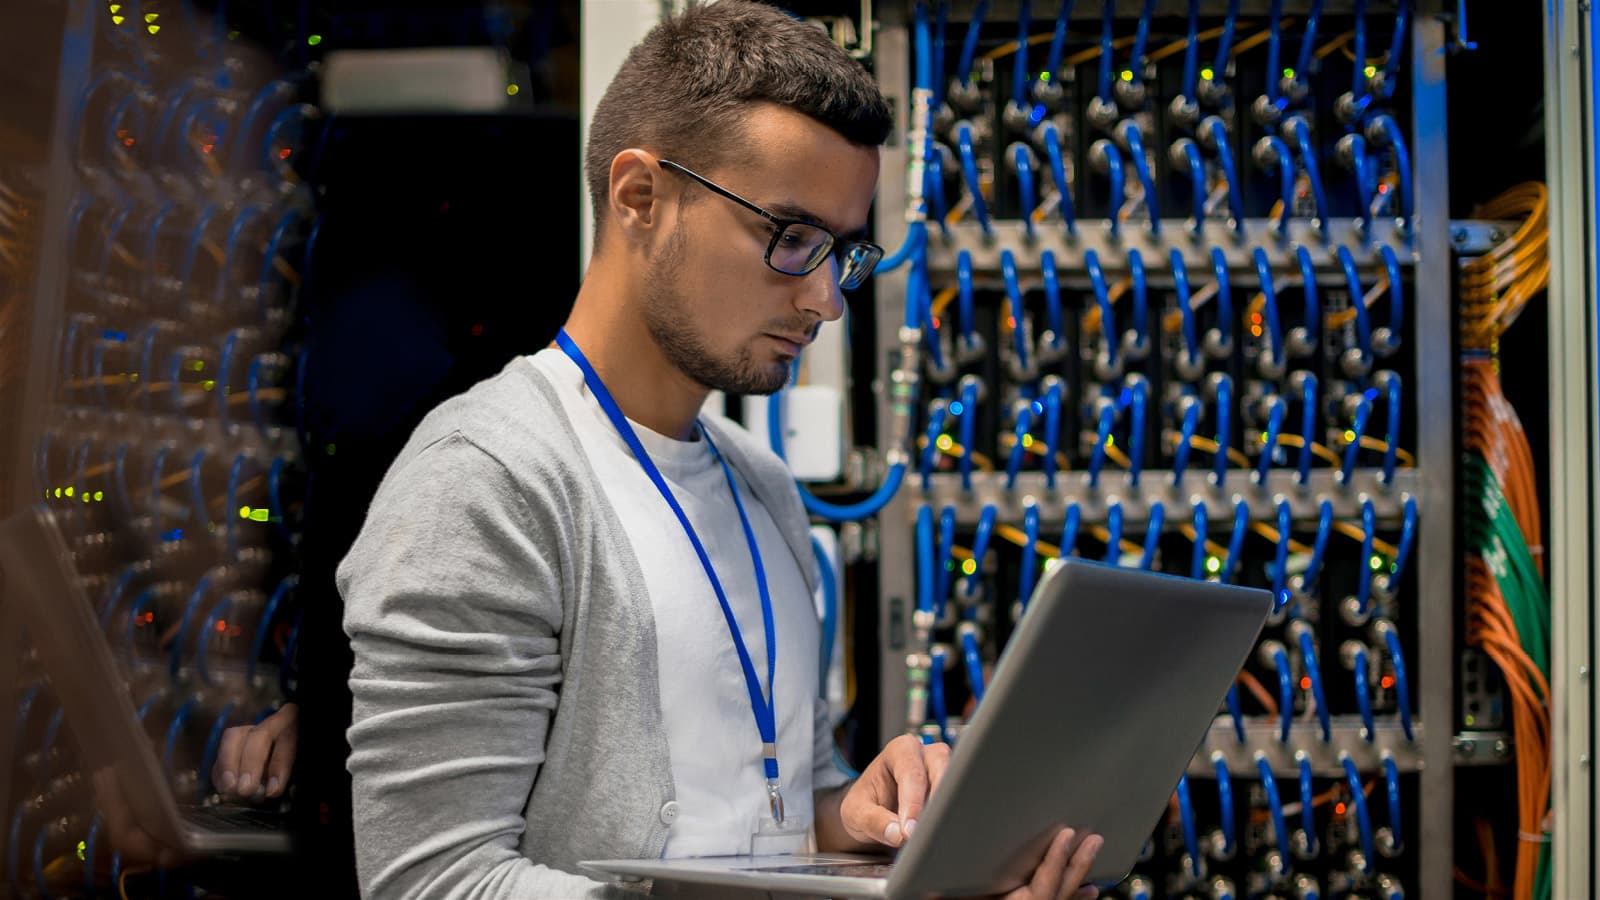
(636, 192)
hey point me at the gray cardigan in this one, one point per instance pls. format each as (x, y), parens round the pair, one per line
(507, 708)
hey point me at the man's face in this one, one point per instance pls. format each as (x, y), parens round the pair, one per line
(718, 311)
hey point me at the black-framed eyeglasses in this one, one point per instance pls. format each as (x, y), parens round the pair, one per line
(798, 247)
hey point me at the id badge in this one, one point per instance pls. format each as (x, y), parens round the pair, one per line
(768, 838)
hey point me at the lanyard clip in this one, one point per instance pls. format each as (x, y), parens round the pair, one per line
(775, 799)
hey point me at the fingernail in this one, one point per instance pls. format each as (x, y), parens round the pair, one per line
(911, 826)
(261, 791)
(247, 783)
(227, 781)
(891, 835)
(273, 784)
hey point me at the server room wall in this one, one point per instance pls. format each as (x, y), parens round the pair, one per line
(362, 268)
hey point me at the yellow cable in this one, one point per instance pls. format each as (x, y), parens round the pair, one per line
(1354, 532)
(1273, 535)
(1212, 547)
(1321, 452)
(956, 451)
(1017, 536)
(942, 300)
(1207, 445)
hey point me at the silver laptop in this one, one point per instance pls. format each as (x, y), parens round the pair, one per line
(1109, 684)
(40, 588)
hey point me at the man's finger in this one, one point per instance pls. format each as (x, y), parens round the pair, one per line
(910, 779)
(225, 772)
(1077, 868)
(937, 758)
(1047, 877)
(253, 761)
(867, 821)
(1089, 892)
(279, 766)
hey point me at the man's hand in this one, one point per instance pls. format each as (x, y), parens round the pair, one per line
(254, 761)
(882, 807)
(128, 835)
(1062, 872)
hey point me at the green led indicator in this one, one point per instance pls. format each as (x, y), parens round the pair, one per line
(244, 512)
(1127, 74)
(1289, 74)
(1213, 565)
(1376, 562)
(260, 515)
(314, 40)
(1371, 71)
(1208, 74)
(83, 848)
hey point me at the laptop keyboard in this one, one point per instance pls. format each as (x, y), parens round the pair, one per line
(837, 870)
(237, 818)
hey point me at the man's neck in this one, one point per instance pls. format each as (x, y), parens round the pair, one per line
(648, 388)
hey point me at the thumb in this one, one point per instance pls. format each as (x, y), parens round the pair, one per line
(881, 825)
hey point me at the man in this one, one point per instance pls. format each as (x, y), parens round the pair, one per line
(579, 607)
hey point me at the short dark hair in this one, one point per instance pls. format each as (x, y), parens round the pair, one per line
(683, 90)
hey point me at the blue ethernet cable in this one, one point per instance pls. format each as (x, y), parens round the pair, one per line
(969, 169)
(936, 701)
(1369, 528)
(1408, 539)
(1058, 41)
(1069, 529)
(830, 613)
(1269, 292)
(1224, 419)
(1008, 270)
(203, 642)
(1308, 815)
(935, 82)
(969, 47)
(1308, 651)
(1058, 172)
(1219, 271)
(1280, 559)
(1146, 172)
(964, 299)
(174, 729)
(1391, 435)
(1319, 546)
(938, 207)
(1308, 281)
(936, 416)
(1180, 280)
(1102, 297)
(1114, 532)
(1241, 525)
(1358, 428)
(1141, 300)
(1180, 457)
(1280, 827)
(1280, 661)
(1052, 302)
(1097, 457)
(1139, 390)
(980, 547)
(925, 561)
(1225, 801)
(1358, 799)
(1369, 730)
(1303, 63)
(1052, 427)
(1197, 561)
(1402, 684)
(1274, 48)
(1197, 183)
(1397, 316)
(1106, 18)
(1030, 559)
(1191, 840)
(1019, 445)
(1384, 126)
(264, 625)
(1269, 449)
(968, 429)
(1152, 535)
(968, 633)
(1022, 158)
(1019, 71)
(1391, 68)
(1358, 302)
(201, 588)
(1283, 164)
(1118, 190)
(1191, 54)
(1358, 47)
(1308, 160)
(1391, 775)
(1220, 67)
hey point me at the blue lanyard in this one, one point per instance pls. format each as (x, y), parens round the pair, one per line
(764, 708)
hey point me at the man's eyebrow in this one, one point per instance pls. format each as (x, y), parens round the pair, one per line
(796, 211)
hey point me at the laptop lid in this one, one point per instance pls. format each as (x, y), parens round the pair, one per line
(41, 590)
(1109, 683)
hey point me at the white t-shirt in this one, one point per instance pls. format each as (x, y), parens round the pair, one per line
(717, 773)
